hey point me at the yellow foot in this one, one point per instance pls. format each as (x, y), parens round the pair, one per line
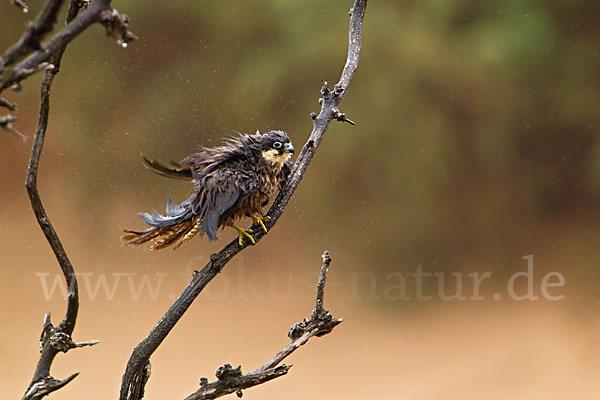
(243, 233)
(261, 221)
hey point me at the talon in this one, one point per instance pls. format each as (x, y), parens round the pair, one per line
(261, 221)
(243, 233)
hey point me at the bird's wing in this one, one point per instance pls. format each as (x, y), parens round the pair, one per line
(217, 193)
(177, 171)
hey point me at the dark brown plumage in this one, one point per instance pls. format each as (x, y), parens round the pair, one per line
(231, 181)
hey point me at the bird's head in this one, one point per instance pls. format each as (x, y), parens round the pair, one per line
(276, 147)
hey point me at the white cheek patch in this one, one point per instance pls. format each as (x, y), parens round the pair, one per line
(273, 156)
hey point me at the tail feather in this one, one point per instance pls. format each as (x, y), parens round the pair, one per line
(190, 234)
(178, 226)
(137, 237)
(162, 237)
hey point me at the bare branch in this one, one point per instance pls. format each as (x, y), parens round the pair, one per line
(5, 103)
(6, 123)
(47, 56)
(320, 323)
(230, 380)
(35, 32)
(21, 5)
(98, 11)
(54, 339)
(329, 107)
(322, 279)
(46, 386)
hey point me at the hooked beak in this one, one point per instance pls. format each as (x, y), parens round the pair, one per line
(288, 148)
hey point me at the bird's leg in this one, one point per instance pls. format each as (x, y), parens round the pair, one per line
(260, 221)
(243, 233)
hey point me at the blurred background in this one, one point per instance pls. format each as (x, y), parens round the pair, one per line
(476, 145)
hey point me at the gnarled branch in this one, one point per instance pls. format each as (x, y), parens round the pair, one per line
(53, 339)
(139, 360)
(230, 380)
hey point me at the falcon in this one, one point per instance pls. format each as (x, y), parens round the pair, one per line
(231, 181)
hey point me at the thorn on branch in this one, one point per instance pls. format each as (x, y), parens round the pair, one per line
(84, 344)
(340, 116)
(117, 25)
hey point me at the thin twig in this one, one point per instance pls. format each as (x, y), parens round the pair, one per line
(230, 380)
(21, 4)
(320, 323)
(10, 105)
(322, 280)
(329, 107)
(6, 123)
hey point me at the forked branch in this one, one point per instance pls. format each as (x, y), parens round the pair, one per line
(53, 339)
(230, 380)
(29, 55)
(135, 374)
(98, 11)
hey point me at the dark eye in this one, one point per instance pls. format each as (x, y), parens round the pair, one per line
(277, 145)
